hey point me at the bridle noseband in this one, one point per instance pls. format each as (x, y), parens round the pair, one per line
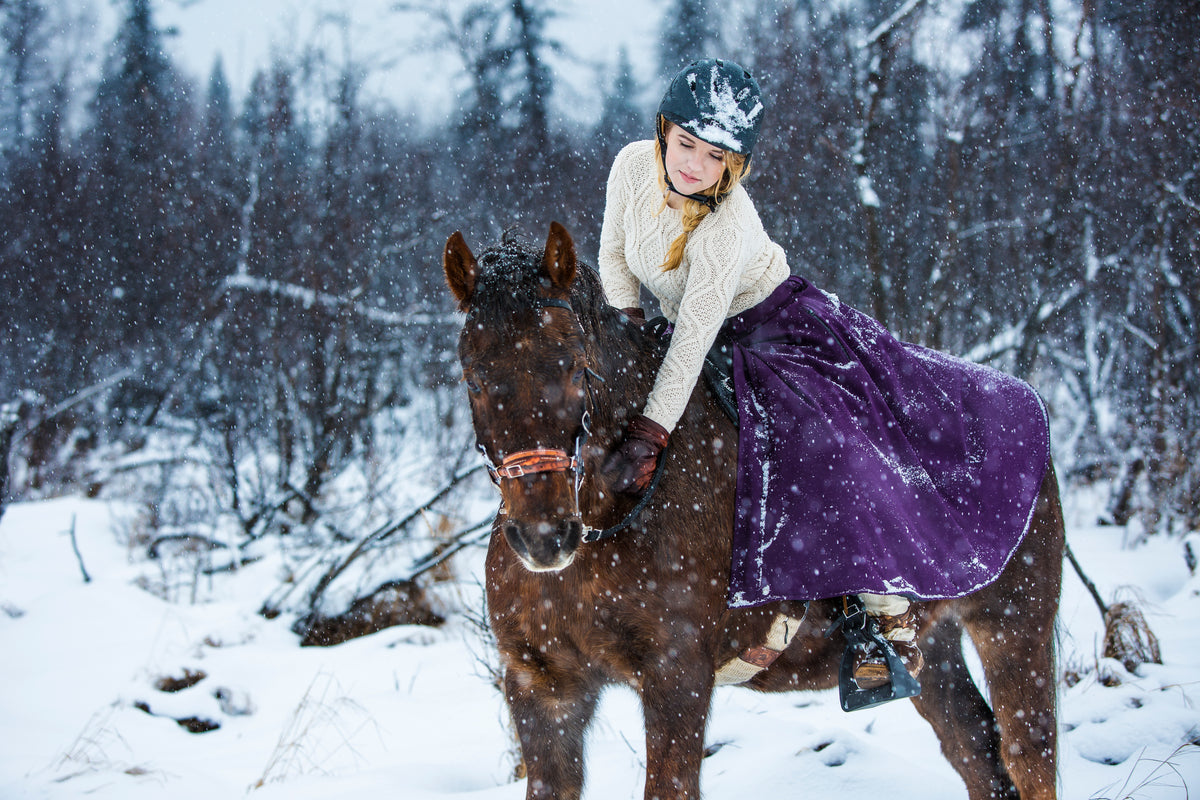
(546, 459)
(530, 462)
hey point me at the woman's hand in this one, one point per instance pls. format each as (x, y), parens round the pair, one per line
(632, 465)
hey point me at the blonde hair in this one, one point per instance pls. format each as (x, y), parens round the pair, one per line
(737, 166)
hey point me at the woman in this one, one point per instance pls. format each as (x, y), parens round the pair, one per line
(867, 466)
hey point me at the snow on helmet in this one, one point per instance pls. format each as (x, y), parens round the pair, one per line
(716, 101)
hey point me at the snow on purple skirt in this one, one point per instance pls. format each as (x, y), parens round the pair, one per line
(867, 464)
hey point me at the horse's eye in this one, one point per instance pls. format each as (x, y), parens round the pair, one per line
(577, 377)
(472, 386)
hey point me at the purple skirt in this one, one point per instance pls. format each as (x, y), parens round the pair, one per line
(867, 464)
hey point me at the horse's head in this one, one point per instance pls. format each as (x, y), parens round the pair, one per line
(525, 365)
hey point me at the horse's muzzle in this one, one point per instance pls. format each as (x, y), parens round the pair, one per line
(544, 546)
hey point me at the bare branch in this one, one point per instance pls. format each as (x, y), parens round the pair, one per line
(386, 531)
(309, 297)
(885, 28)
(78, 556)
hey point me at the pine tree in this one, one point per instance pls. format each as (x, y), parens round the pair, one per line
(217, 135)
(220, 190)
(621, 120)
(22, 31)
(140, 151)
(690, 31)
(535, 85)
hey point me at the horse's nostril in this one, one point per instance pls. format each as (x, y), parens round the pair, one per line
(571, 530)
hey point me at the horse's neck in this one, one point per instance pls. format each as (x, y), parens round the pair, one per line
(628, 363)
(628, 369)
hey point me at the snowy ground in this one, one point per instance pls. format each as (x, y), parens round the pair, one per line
(409, 712)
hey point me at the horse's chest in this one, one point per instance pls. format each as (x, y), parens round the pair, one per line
(577, 626)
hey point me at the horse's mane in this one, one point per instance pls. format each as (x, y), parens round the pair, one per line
(510, 280)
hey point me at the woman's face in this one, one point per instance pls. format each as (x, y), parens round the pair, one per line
(693, 165)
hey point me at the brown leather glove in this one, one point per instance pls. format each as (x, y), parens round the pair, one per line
(634, 461)
(636, 314)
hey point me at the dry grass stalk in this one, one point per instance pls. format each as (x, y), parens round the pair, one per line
(320, 727)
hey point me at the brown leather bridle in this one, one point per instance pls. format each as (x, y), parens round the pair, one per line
(553, 459)
(545, 459)
(550, 459)
(531, 462)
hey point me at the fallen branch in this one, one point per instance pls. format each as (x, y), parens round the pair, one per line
(440, 553)
(194, 541)
(306, 297)
(1087, 582)
(460, 541)
(886, 27)
(85, 394)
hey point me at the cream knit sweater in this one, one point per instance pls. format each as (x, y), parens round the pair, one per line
(729, 265)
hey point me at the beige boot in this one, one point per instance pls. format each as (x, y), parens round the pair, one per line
(897, 624)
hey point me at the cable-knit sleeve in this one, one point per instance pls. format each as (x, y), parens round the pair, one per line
(621, 287)
(716, 260)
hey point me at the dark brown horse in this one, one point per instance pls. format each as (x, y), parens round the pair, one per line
(553, 373)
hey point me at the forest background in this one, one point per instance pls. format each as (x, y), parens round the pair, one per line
(232, 309)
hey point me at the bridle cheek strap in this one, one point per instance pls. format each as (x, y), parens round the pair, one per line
(531, 462)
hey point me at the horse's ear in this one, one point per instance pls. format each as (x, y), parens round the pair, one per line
(559, 260)
(461, 269)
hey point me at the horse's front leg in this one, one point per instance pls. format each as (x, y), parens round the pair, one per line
(675, 704)
(551, 716)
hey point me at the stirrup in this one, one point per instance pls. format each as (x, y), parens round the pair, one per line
(861, 631)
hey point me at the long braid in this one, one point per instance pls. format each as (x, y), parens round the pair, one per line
(694, 213)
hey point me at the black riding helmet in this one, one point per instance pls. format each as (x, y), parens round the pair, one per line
(718, 102)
